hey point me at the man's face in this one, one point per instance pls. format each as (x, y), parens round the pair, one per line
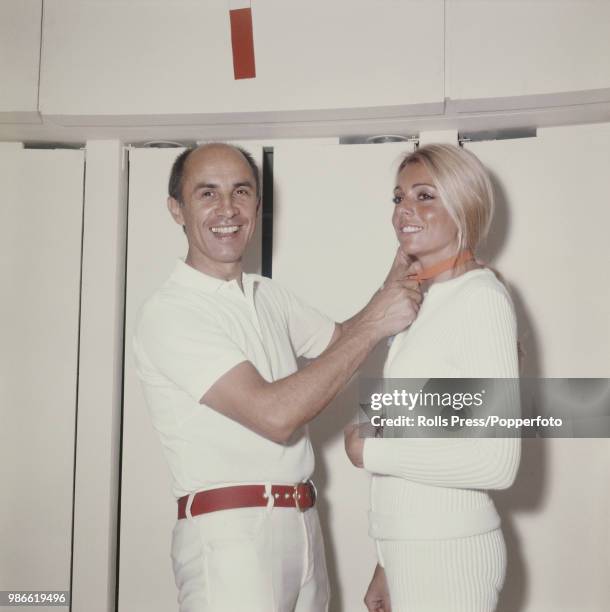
(219, 207)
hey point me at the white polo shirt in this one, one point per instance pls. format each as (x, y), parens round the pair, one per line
(193, 330)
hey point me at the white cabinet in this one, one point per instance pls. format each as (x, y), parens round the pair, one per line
(154, 242)
(40, 249)
(130, 61)
(550, 227)
(127, 63)
(516, 48)
(549, 241)
(19, 60)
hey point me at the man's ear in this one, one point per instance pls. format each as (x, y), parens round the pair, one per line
(258, 204)
(175, 210)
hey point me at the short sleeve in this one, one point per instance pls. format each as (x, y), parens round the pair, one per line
(310, 331)
(184, 345)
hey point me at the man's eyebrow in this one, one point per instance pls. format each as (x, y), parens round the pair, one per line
(205, 186)
(244, 184)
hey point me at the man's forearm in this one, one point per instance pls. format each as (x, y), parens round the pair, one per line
(293, 401)
(277, 409)
(349, 324)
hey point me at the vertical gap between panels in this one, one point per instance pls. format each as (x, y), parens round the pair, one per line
(78, 339)
(122, 402)
(267, 215)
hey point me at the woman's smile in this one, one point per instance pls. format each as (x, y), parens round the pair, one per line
(411, 229)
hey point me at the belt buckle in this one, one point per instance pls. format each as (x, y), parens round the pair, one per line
(295, 496)
(313, 493)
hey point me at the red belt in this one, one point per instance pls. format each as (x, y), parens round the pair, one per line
(301, 496)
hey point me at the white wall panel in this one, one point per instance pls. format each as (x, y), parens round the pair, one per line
(100, 378)
(40, 248)
(154, 242)
(148, 509)
(550, 232)
(135, 58)
(19, 60)
(333, 243)
(550, 243)
(507, 48)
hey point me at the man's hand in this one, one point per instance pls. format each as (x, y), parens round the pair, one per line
(395, 306)
(354, 445)
(377, 598)
(402, 266)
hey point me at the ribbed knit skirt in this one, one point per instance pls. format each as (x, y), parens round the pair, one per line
(453, 575)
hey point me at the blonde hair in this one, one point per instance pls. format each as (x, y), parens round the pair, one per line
(463, 186)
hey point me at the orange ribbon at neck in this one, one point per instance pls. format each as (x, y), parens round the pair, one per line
(442, 266)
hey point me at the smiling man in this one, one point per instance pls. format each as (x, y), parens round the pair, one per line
(216, 350)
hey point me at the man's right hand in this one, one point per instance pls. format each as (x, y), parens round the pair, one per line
(395, 306)
(377, 598)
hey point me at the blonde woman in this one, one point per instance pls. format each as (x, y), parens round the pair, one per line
(437, 532)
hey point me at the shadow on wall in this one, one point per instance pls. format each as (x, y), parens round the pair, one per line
(254, 253)
(530, 366)
(528, 492)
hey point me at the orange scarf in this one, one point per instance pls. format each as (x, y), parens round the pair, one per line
(442, 266)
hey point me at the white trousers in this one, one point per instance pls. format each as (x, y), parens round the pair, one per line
(456, 575)
(250, 560)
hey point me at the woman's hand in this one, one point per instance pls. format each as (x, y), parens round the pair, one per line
(377, 598)
(354, 445)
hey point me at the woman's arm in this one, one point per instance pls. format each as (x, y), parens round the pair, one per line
(482, 463)
(486, 348)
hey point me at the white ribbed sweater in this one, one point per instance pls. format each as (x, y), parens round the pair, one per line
(435, 488)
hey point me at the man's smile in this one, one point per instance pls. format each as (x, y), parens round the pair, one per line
(225, 230)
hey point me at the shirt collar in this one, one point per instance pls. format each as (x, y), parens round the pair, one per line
(188, 276)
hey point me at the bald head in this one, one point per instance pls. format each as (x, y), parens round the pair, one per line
(213, 152)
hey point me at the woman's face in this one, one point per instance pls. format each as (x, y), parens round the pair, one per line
(421, 222)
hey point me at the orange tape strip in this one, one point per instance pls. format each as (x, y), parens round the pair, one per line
(242, 41)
